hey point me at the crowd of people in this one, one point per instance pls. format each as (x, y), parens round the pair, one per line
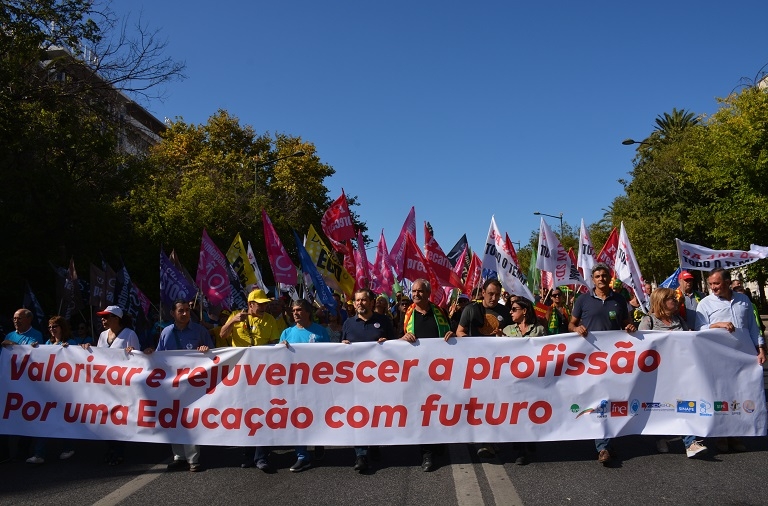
(368, 317)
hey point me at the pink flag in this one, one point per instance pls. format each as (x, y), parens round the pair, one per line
(337, 223)
(473, 275)
(382, 265)
(438, 261)
(458, 269)
(282, 267)
(143, 299)
(362, 276)
(349, 259)
(398, 250)
(415, 266)
(212, 276)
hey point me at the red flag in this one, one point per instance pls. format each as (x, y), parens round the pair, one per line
(382, 266)
(362, 275)
(473, 275)
(212, 276)
(398, 250)
(512, 252)
(337, 223)
(608, 253)
(438, 260)
(349, 261)
(282, 267)
(415, 266)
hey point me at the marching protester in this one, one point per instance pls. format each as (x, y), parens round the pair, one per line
(304, 331)
(725, 309)
(689, 298)
(524, 321)
(664, 316)
(558, 316)
(184, 334)
(366, 326)
(456, 309)
(602, 309)
(424, 319)
(117, 335)
(254, 327)
(24, 333)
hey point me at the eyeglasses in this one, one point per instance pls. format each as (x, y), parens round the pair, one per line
(51, 327)
(515, 309)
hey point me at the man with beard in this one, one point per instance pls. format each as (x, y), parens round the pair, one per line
(485, 317)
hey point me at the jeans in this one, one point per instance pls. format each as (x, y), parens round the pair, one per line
(190, 453)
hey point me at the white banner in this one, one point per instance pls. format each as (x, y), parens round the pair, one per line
(554, 258)
(499, 264)
(586, 258)
(486, 389)
(699, 258)
(627, 269)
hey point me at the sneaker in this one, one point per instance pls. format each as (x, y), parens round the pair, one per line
(521, 460)
(427, 465)
(319, 452)
(662, 446)
(262, 465)
(66, 455)
(486, 452)
(300, 465)
(35, 460)
(694, 449)
(177, 465)
(195, 468)
(361, 463)
(604, 457)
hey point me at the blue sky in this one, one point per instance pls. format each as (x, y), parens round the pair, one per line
(462, 109)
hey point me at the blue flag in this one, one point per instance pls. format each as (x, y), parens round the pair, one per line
(31, 303)
(673, 281)
(173, 284)
(308, 266)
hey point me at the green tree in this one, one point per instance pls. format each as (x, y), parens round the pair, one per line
(61, 172)
(217, 176)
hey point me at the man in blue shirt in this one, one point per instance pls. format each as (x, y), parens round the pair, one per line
(304, 331)
(602, 309)
(366, 326)
(24, 333)
(184, 334)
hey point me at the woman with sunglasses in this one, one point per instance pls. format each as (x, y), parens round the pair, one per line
(524, 321)
(558, 315)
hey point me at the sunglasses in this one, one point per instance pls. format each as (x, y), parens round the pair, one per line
(556, 294)
(50, 327)
(516, 309)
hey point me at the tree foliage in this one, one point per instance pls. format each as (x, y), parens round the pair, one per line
(218, 176)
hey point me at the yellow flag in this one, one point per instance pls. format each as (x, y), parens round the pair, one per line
(328, 264)
(238, 258)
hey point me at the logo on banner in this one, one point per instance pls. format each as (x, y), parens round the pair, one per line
(657, 406)
(619, 408)
(735, 407)
(721, 407)
(705, 408)
(749, 406)
(634, 407)
(601, 410)
(686, 407)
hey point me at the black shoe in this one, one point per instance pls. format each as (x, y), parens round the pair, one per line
(521, 460)
(319, 452)
(247, 462)
(375, 453)
(427, 465)
(177, 465)
(361, 464)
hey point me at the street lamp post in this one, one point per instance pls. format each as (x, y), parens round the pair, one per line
(270, 162)
(559, 217)
(629, 142)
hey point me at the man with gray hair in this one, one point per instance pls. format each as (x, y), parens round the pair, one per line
(24, 333)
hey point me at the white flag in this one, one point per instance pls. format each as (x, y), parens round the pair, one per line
(554, 258)
(498, 264)
(259, 279)
(627, 270)
(699, 258)
(586, 258)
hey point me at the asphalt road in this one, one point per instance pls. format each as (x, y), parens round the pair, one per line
(563, 473)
